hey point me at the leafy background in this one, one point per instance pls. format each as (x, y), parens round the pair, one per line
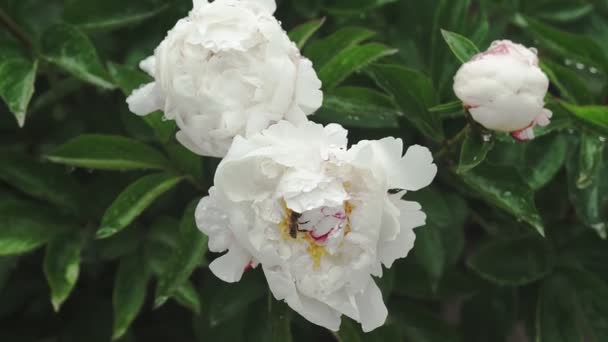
(97, 239)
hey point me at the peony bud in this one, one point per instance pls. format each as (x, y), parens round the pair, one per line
(504, 89)
(227, 69)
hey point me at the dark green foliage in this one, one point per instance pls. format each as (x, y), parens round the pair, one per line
(97, 233)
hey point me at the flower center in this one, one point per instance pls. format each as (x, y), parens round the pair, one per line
(321, 228)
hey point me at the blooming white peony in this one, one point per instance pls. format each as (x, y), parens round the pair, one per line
(227, 69)
(316, 216)
(504, 89)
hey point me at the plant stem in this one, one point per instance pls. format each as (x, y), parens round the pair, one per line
(447, 144)
(14, 29)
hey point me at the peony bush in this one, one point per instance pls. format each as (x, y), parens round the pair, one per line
(296, 170)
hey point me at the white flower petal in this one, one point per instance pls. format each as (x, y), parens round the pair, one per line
(146, 99)
(372, 311)
(410, 217)
(148, 65)
(230, 266)
(416, 169)
(268, 5)
(309, 97)
(212, 220)
(283, 288)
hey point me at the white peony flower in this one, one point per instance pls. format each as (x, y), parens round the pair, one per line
(504, 89)
(227, 69)
(316, 216)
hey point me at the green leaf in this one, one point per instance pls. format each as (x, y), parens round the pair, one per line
(128, 80)
(62, 265)
(108, 152)
(463, 48)
(71, 50)
(190, 250)
(161, 241)
(565, 12)
(544, 157)
(231, 299)
(513, 262)
(185, 161)
(572, 307)
(448, 212)
(110, 14)
(301, 33)
(129, 292)
(321, 51)
(358, 107)
(413, 93)
(187, 296)
(352, 7)
(440, 242)
(421, 325)
(429, 253)
(449, 110)
(570, 85)
(590, 155)
(556, 319)
(7, 264)
(503, 187)
(474, 149)
(25, 227)
(120, 244)
(351, 60)
(490, 315)
(133, 201)
(593, 117)
(17, 76)
(577, 47)
(280, 329)
(589, 201)
(46, 181)
(349, 331)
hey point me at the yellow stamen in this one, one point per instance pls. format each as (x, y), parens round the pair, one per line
(316, 251)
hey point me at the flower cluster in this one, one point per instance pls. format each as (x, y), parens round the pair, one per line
(289, 196)
(319, 218)
(504, 89)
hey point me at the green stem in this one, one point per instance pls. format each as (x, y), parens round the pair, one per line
(14, 29)
(447, 144)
